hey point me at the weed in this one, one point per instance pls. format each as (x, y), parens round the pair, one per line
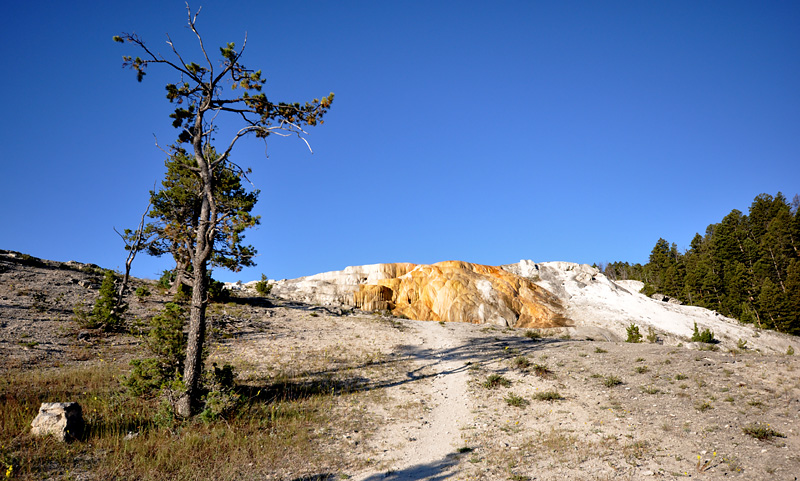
(542, 370)
(611, 381)
(681, 377)
(548, 396)
(790, 351)
(521, 362)
(496, 380)
(600, 350)
(641, 369)
(633, 334)
(650, 390)
(761, 432)
(703, 406)
(533, 335)
(652, 337)
(465, 449)
(519, 477)
(516, 401)
(141, 292)
(741, 344)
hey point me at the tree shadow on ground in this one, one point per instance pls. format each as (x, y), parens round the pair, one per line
(433, 471)
(489, 351)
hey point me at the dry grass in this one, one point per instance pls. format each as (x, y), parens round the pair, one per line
(281, 427)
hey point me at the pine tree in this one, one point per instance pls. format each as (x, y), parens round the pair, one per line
(203, 92)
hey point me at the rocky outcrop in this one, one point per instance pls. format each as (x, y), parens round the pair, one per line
(451, 291)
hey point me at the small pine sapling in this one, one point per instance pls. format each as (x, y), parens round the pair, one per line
(633, 334)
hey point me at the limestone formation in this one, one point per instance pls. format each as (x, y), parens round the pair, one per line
(451, 291)
(455, 291)
(62, 420)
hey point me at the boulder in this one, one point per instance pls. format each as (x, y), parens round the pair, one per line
(62, 420)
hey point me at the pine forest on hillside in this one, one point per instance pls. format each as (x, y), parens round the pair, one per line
(746, 266)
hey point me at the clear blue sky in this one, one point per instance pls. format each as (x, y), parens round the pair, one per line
(481, 131)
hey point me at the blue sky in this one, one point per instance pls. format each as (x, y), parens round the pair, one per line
(480, 131)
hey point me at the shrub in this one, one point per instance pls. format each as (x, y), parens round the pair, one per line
(633, 334)
(102, 314)
(221, 398)
(263, 287)
(166, 342)
(516, 401)
(652, 337)
(496, 380)
(217, 291)
(533, 335)
(761, 432)
(741, 344)
(705, 335)
(790, 351)
(542, 370)
(166, 279)
(142, 292)
(611, 381)
(548, 396)
(521, 362)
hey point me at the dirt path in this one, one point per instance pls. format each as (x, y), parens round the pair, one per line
(439, 373)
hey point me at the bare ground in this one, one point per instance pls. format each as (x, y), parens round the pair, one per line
(420, 388)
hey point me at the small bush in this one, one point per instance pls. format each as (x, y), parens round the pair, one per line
(641, 369)
(142, 292)
(705, 335)
(217, 291)
(600, 350)
(548, 396)
(221, 398)
(703, 406)
(542, 370)
(533, 335)
(761, 432)
(741, 344)
(496, 380)
(521, 362)
(263, 287)
(790, 351)
(652, 337)
(102, 314)
(633, 334)
(166, 343)
(516, 401)
(611, 381)
(166, 279)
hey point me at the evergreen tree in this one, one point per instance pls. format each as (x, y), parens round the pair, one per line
(176, 210)
(746, 266)
(203, 93)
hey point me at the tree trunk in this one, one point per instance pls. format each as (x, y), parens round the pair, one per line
(193, 368)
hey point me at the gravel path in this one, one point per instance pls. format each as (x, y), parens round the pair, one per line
(436, 437)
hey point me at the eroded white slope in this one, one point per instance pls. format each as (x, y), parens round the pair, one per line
(592, 300)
